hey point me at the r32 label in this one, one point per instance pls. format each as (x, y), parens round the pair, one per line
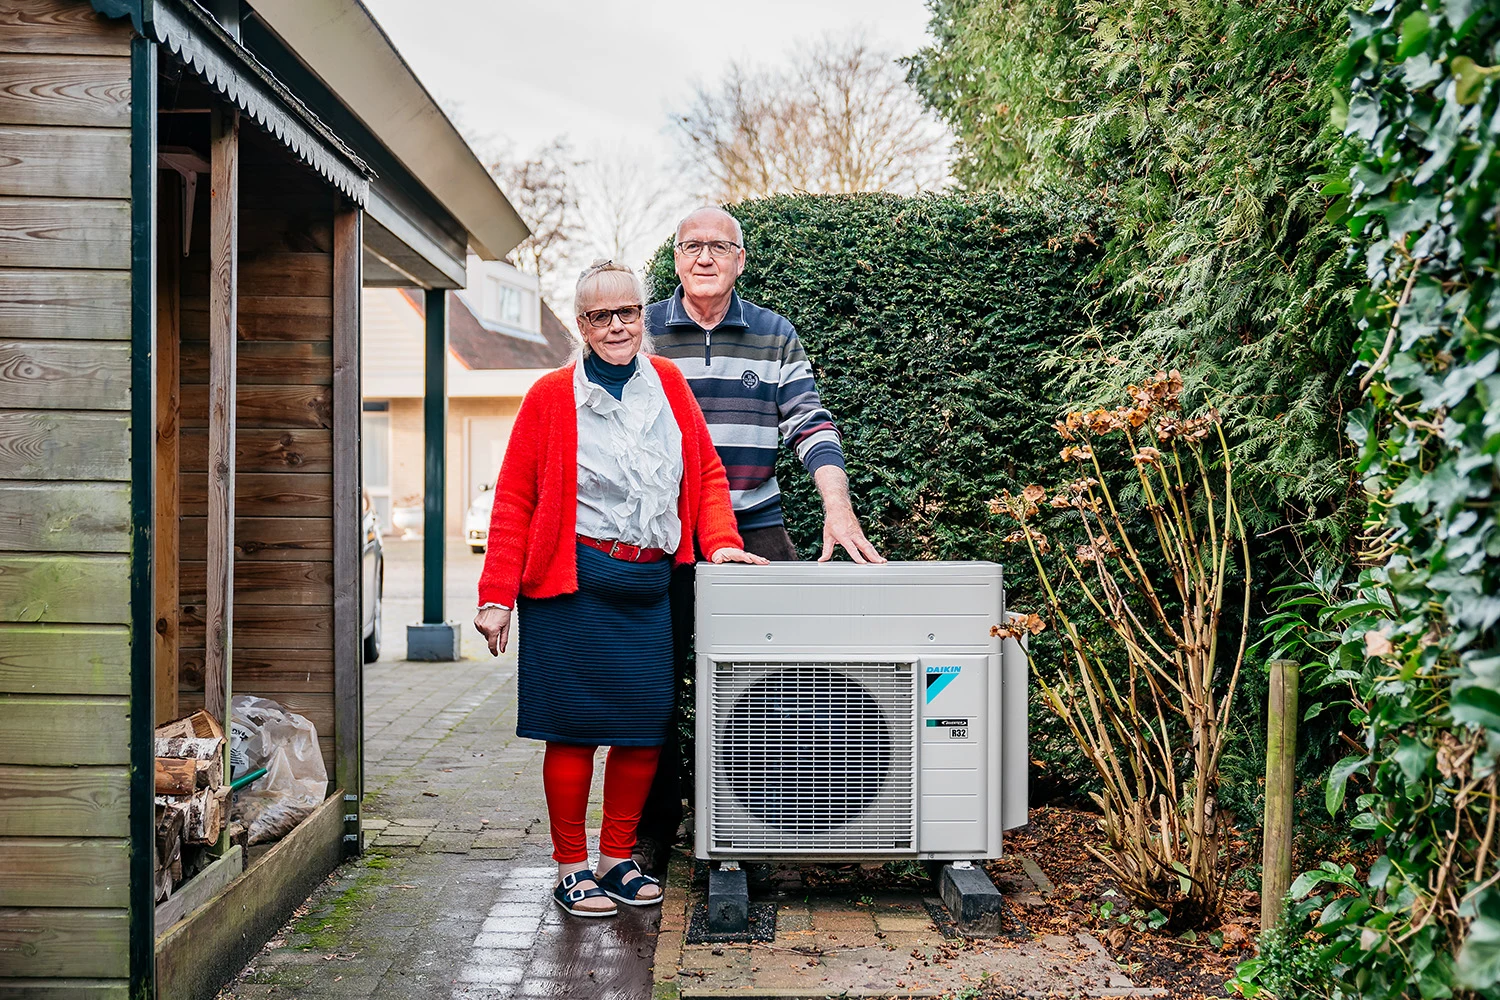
(958, 733)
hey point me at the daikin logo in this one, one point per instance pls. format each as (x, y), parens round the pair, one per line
(939, 678)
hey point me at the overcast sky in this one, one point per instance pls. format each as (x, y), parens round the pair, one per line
(608, 73)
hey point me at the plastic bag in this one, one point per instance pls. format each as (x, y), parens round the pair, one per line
(264, 734)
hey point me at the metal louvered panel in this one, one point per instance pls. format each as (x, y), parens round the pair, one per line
(813, 758)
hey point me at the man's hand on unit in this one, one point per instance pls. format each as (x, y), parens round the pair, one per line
(840, 526)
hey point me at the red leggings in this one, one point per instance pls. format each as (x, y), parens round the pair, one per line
(567, 773)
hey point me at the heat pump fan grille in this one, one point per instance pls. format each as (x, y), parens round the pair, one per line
(812, 758)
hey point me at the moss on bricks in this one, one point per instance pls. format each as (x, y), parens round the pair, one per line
(328, 927)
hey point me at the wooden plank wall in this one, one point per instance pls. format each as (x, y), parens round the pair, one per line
(283, 569)
(64, 499)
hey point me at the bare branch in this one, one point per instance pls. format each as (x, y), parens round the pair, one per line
(840, 119)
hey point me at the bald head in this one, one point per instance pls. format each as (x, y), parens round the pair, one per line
(708, 280)
(714, 218)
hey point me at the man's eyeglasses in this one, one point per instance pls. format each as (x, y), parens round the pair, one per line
(600, 318)
(717, 248)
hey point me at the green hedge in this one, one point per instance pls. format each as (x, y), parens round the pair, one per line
(924, 319)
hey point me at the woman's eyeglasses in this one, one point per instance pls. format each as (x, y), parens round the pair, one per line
(718, 248)
(600, 318)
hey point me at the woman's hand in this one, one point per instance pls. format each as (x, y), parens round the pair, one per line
(739, 556)
(494, 625)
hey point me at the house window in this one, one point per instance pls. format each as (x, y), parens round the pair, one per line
(508, 303)
(376, 429)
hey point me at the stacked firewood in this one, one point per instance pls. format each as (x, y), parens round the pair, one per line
(192, 795)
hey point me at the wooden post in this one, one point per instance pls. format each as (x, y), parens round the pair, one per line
(168, 407)
(348, 537)
(223, 283)
(1281, 759)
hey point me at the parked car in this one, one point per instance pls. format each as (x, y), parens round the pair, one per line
(477, 519)
(372, 570)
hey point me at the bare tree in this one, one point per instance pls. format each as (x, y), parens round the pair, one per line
(540, 187)
(616, 202)
(841, 118)
(627, 203)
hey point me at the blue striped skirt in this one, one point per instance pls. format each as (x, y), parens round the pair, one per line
(595, 666)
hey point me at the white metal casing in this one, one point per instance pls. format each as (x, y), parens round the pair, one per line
(857, 712)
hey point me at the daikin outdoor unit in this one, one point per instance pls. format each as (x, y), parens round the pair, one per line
(857, 712)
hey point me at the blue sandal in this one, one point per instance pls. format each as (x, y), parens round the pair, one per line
(568, 892)
(615, 885)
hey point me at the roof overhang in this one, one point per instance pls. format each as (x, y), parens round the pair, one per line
(217, 57)
(342, 44)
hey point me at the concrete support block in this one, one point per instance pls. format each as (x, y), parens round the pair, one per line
(972, 899)
(433, 641)
(728, 902)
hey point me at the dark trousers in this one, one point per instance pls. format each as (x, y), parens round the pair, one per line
(663, 810)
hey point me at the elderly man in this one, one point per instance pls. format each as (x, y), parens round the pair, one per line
(746, 366)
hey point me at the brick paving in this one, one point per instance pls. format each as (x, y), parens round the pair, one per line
(452, 897)
(861, 941)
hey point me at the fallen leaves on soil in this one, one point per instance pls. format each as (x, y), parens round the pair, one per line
(1055, 840)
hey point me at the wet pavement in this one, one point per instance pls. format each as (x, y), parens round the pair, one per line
(452, 898)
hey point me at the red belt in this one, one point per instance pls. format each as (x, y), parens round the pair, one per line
(623, 550)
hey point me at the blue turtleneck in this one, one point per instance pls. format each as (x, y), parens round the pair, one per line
(611, 377)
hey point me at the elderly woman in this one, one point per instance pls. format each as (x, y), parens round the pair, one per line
(610, 477)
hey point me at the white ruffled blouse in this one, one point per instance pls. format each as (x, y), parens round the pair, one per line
(629, 460)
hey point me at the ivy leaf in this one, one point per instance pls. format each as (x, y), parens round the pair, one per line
(1338, 110)
(1437, 979)
(1326, 871)
(1478, 965)
(1414, 214)
(1414, 758)
(1305, 883)
(1457, 12)
(1414, 31)
(1380, 871)
(1334, 911)
(1420, 71)
(1338, 779)
(1362, 26)
(1477, 705)
(1364, 117)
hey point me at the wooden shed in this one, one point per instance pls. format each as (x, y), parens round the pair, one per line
(192, 195)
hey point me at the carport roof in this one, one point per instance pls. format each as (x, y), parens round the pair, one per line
(340, 42)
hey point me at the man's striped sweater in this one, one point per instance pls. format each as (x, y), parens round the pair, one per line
(756, 388)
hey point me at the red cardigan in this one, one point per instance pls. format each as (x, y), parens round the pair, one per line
(533, 524)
